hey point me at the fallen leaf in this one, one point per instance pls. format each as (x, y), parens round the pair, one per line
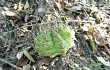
(62, 3)
(92, 45)
(103, 61)
(23, 62)
(102, 41)
(28, 55)
(20, 33)
(10, 14)
(79, 50)
(18, 22)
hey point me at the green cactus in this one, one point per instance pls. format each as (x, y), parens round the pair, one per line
(53, 43)
(63, 31)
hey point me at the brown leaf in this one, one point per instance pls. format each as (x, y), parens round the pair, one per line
(79, 50)
(62, 3)
(96, 33)
(20, 33)
(10, 14)
(23, 62)
(102, 42)
(19, 22)
(45, 61)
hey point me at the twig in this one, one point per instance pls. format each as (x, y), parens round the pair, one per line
(39, 24)
(9, 63)
(81, 21)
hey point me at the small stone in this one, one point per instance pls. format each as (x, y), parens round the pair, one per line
(19, 55)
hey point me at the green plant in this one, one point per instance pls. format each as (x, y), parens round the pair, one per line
(54, 42)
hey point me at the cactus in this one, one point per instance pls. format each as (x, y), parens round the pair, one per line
(53, 43)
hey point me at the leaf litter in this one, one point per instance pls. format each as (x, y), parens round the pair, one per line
(21, 21)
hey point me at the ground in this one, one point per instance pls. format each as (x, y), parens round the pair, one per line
(20, 22)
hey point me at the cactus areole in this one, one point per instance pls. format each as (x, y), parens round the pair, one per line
(54, 42)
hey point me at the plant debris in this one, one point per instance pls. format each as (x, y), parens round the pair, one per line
(26, 24)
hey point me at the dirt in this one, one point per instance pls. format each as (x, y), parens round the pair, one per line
(18, 34)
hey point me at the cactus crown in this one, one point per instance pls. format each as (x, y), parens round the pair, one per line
(53, 42)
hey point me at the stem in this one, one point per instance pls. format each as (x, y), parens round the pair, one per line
(9, 63)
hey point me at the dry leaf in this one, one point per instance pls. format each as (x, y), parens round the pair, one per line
(62, 3)
(102, 41)
(10, 14)
(79, 50)
(28, 55)
(23, 62)
(96, 33)
(20, 33)
(19, 22)
(103, 61)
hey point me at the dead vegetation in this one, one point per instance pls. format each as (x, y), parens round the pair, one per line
(21, 21)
